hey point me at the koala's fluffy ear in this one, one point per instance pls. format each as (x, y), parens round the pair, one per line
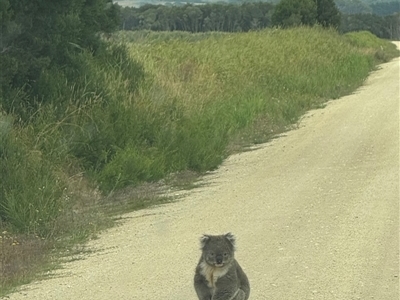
(231, 238)
(203, 240)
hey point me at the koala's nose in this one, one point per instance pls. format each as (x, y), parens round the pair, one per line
(219, 259)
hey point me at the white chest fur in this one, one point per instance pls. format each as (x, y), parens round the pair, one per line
(212, 273)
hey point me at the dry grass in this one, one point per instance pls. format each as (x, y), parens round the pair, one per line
(24, 258)
(21, 257)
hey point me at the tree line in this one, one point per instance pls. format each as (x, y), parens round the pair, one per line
(361, 7)
(198, 18)
(242, 17)
(385, 8)
(386, 27)
(229, 17)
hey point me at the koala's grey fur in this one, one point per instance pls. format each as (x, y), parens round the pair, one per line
(218, 275)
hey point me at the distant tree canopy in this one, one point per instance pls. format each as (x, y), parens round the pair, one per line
(387, 27)
(353, 7)
(306, 12)
(198, 18)
(40, 34)
(385, 8)
(328, 15)
(295, 12)
(247, 16)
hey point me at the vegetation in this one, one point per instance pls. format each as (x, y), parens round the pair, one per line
(243, 17)
(40, 37)
(202, 18)
(83, 120)
(290, 13)
(386, 27)
(328, 15)
(380, 8)
(385, 8)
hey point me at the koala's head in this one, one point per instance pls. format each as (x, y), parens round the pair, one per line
(218, 250)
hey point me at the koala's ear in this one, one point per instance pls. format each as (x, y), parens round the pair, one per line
(203, 240)
(231, 238)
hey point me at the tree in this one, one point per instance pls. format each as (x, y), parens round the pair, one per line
(328, 14)
(385, 8)
(295, 12)
(306, 12)
(353, 7)
(233, 16)
(39, 35)
(384, 27)
(193, 16)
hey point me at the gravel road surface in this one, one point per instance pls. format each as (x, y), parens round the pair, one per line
(315, 212)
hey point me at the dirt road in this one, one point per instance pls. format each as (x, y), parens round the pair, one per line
(316, 214)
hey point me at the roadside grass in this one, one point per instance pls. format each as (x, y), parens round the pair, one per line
(254, 84)
(381, 50)
(150, 116)
(22, 259)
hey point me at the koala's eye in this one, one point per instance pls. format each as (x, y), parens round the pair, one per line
(225, 254)
(212, 253)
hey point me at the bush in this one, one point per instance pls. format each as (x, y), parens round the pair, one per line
(82, 120)
(40, 36)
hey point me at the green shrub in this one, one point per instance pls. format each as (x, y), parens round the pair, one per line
(81, 119)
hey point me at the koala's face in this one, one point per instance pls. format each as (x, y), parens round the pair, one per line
(218, 250)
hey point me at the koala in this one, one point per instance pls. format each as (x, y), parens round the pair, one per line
(218, 275)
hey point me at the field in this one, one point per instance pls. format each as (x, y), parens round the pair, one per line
(157, 104)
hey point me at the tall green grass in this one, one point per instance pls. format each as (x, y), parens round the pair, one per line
(207, 89)
(177, 102)
(381, 50)
(153, 104)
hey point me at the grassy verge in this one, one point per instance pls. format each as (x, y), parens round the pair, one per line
(253, 84)
(112, 129)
